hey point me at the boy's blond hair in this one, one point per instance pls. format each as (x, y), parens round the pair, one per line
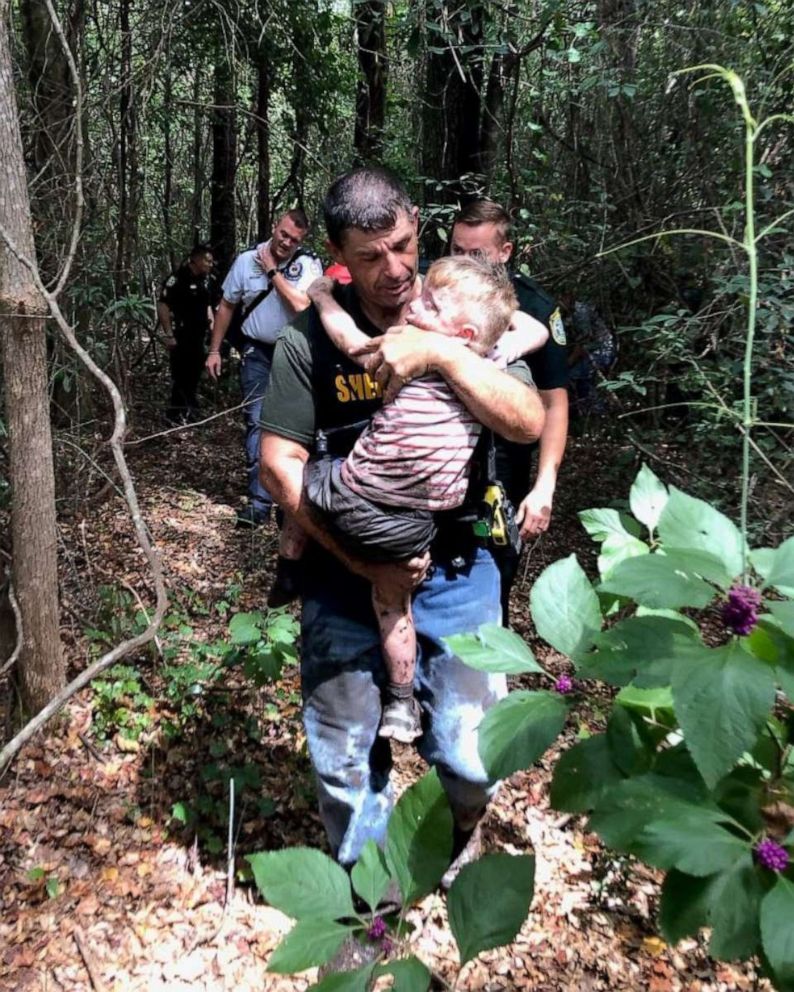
(480, 283)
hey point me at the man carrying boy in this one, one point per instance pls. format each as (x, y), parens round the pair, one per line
(372, 229)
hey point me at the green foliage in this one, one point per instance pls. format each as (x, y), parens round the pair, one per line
(693, 755)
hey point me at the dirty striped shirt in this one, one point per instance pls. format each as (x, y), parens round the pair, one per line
(416, 451)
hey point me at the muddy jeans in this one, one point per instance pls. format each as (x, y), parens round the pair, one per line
(343, 674)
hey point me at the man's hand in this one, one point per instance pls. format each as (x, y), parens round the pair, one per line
(402, 576)
(170, 343)
(266, 258)
(213, 364)
(404, 353)
(534, 514)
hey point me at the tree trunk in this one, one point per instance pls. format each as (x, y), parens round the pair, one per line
(263, 143)
(22, 311)
(223, 228)
(371, 88)
(128, 159)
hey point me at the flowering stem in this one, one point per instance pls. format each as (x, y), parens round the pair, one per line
(750, 133)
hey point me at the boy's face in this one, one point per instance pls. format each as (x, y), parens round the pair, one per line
(445, 310)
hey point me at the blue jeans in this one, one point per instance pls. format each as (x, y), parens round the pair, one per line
(254, 375)
(343, 674)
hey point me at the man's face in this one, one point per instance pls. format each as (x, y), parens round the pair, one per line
(382, 263)
(285, 238)
(202, 264)
(482, 241)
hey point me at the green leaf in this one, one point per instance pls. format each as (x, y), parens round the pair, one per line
(721, 702)
(647, 498)
(626, 745)
(691, 842)
(494, 649)
(347, 981)
(583, 774)
(603, 523)
(655, 704)
(776, 566)
(565, 607)
(419, 838)
(616, 549)
(489, 901)
(52, 887)
(516, 732)
(302, 883)
(683, 908)
(409, 974)
(784, 616)
(643, 647)
(777, 931)
(687, 522)
(659, 582)
(244, 628)
(310, 942)
(703, 563)
(734, 902)
(370, 876)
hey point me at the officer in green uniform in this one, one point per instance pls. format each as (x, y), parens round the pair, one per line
(482, 229)
(185, 310)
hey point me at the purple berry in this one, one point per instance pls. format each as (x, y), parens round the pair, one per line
(378, 928)
(771, 855)
(740, 609)
(564, 685)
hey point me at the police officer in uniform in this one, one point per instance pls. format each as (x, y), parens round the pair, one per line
(372, 229)
(268, 283)
(482, 229)
(185, 310)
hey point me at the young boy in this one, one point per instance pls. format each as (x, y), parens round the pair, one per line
(413, 458)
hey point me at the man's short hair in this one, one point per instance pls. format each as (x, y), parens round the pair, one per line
(485, 212)
(370, 198)
(198, 251)
(481, 283)
(298, 218)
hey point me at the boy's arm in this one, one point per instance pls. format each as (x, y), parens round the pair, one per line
(525, 334)
(338, 324)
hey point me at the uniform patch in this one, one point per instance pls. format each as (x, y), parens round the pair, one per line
(294, 271)
(171, 281)
(557, 328)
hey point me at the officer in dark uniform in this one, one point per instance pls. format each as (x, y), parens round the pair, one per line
(185, 309)
(482, 229)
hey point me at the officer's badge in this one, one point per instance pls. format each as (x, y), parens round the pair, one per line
(171, 281)
(294, 271)
(557, 328)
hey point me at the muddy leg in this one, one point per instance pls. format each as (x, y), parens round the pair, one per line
(401, 713)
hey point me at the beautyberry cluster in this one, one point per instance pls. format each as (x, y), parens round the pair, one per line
(771, 855)
(564, 685)
(740, 610)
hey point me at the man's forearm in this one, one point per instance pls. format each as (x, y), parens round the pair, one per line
(508, 407)
(553, 438)
(164, 316)
(294, 298)
(221, 325)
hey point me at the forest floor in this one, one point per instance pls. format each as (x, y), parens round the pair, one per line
(103, 888)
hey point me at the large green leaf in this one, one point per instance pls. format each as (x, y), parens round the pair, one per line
(627, 807)
(516, 732)
(776, 566)
(489, 901)
(721, 700)
(695, 561)
(303, 882)
(494, 649)
(617, 548)
(370, 876)
(311, 942)
(419, 838)
(683, 907)
(658, 581)
(583, 774)
(602, 523)
(245, 628)
(777, 931)
(644, 646)
(630, 748)
(784, 615)
(773, 645)
(409, 974)
(347, 981)
(647, 498)
(734, 902)
(691, 842)
(687, 522)
(654, 704)
(565, 607)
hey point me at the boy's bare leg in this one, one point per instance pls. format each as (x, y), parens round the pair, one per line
(291, 545)
(401, 714)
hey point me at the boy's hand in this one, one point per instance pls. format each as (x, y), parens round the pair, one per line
(321, 287)
(402, 575)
